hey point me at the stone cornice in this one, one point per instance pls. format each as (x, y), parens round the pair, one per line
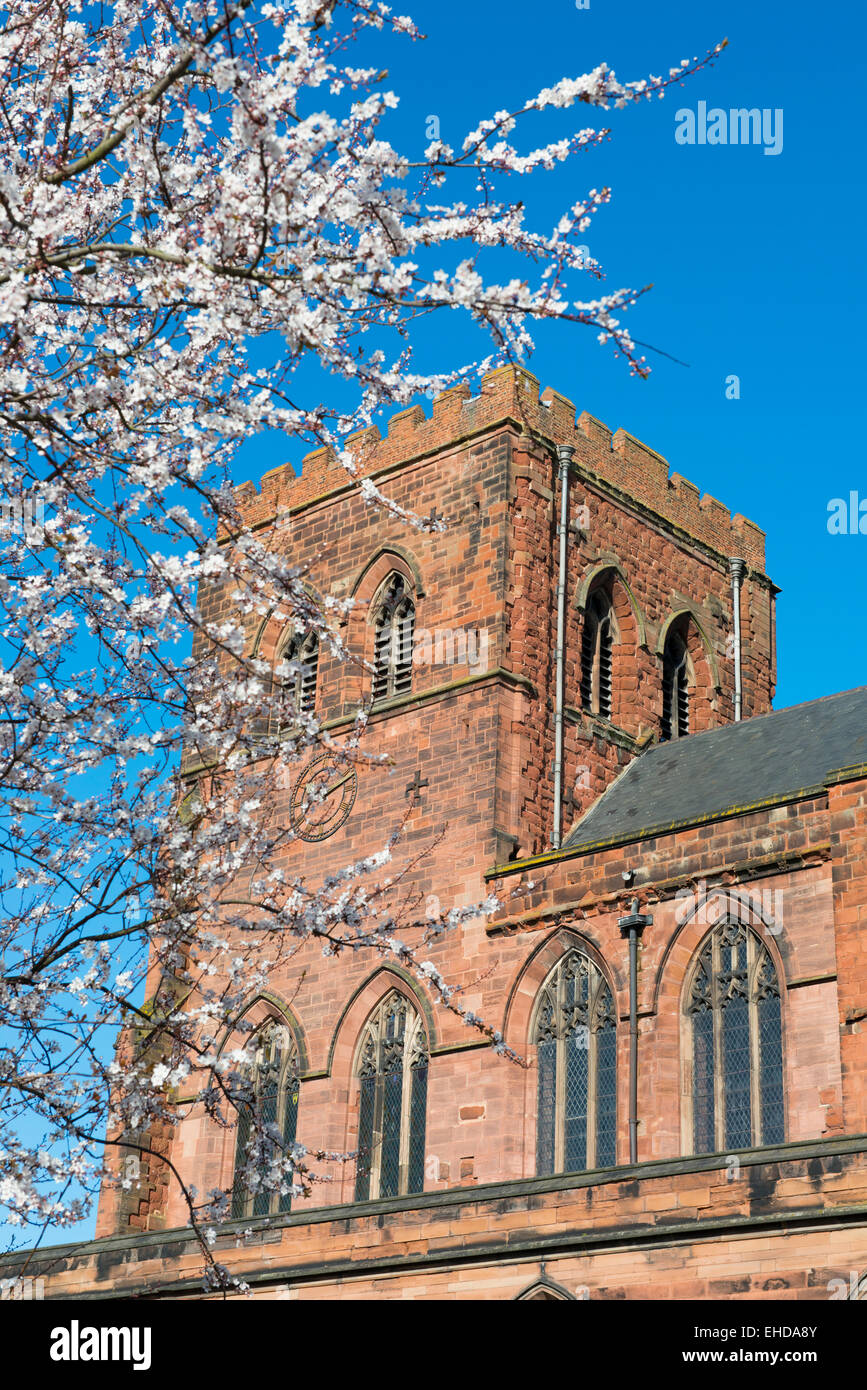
(167, 1244)
(659, 889)
(652, 832)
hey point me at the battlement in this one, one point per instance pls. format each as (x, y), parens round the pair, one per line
(511, 394)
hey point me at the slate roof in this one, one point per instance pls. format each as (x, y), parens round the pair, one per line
(705, 775)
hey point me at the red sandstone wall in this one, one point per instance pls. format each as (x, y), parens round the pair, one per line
(847, 797)
(786, 1227)
(657, 574)
(481, 1109)
(485, 750)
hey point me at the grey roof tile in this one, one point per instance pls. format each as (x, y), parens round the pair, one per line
(707, 774)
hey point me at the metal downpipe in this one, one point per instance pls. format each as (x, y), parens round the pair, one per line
(564, 457)
(737, 568)
(633, 925)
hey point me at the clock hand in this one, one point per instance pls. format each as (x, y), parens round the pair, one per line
(344, 778)
(334, 786)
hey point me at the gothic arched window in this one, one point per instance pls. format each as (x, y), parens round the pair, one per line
(394, 624)
(271, 1100)
(735, 1035)
(545, 1291)
(300, 684)
(675, 688)
(596, 647)
(392, 1075)
(576, 1038)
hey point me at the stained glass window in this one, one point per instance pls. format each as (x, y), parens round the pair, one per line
(576, 1052)
(267, 1119)
(392, 1105)
(736, 1037)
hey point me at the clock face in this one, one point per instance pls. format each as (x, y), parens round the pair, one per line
(322, 797)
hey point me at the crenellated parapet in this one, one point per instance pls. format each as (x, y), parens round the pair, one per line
(509, 395)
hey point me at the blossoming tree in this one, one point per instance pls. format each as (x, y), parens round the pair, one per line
(197, 200)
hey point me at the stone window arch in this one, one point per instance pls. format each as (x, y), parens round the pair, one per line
(677, 684)
(690, 679)
(392, 1069)
(394, 628)
(732, 1012)
(597, 645)
(545, 1291)
(300, 652)
(611, 641)
(269, 1103)
(575, 1033)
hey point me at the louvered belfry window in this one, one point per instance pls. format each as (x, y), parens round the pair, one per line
(300, 684)
(394, 625)
(735, 1029)
(271, 1100)
(392, 1075)
(596, 655)
(675, 688)
(576, 1040)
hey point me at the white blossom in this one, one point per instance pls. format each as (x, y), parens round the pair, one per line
(179, 198)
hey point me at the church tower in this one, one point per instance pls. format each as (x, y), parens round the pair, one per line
(569, 686)
(468, 615)
(455, 634)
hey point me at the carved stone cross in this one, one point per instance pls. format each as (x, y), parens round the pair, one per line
(414, 787)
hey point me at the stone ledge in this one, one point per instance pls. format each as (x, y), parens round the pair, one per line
(660, 889)
(652, 832)
(512, 1190)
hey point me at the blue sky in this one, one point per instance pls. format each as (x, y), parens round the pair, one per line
(756, 260)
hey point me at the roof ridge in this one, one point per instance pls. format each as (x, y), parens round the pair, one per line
(756, 718)
(818, 700)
